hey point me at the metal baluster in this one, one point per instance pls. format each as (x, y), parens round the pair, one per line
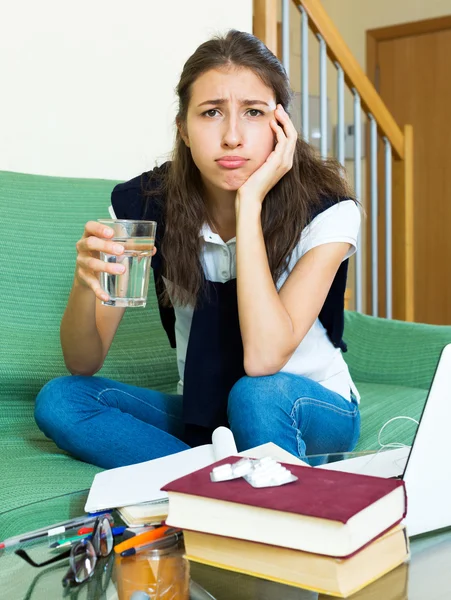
(304, 76)
(358, 193)
(323, 95)
(388, 231)
(286, 35)
(340, 115)
(374, 213)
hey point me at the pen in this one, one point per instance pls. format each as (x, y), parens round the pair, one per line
(163, 542)
(69, 541)
(49, 531)
(144, 538)
(100, 512)
(115, 530)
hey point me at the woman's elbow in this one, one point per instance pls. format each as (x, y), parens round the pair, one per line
(261, 366)
(261, 362)
(82, 369)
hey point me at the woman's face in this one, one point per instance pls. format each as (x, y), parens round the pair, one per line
(228, 118)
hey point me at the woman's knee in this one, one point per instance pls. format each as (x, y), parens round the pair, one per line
(54, 404)
(260, 396)
(262, 405)
(250, 399)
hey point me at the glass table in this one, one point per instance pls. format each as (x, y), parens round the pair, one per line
(426, 576)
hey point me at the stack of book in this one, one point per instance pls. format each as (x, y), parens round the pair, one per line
(330, 532)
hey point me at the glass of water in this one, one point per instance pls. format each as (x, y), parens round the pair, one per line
(138, 239)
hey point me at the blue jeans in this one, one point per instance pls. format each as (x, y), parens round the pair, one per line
(112, 424)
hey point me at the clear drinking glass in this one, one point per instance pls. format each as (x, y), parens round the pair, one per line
(138, 238)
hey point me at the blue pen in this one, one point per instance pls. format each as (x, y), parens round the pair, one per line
(100, 512)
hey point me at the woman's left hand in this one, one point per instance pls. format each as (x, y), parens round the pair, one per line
(278, 163)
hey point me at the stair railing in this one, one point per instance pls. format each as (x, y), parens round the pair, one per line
(398, 272)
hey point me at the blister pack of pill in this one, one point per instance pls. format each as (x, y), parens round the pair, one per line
(267, 472)
(263, 472)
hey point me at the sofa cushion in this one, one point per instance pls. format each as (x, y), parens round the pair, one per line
(393, 352)
(380, 403)
(33, 469)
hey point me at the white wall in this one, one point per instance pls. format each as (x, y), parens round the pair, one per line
(87, 88)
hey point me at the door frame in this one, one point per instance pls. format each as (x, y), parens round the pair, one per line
(392, 32)
(373, 37)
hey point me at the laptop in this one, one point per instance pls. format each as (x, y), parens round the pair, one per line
(425, 466)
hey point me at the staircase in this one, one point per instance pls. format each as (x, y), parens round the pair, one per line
(382, 277)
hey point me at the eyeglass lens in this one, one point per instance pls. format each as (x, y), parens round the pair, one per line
(83, 561)
(103, 538)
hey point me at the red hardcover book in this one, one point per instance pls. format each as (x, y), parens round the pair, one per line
(325, 512)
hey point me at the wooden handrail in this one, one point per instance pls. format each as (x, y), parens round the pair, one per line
(338, 51)
(403, 225)
(265, 23)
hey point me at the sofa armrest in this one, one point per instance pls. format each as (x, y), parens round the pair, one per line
(393, 352)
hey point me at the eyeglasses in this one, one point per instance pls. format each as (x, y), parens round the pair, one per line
(83, 555)
(98, 587)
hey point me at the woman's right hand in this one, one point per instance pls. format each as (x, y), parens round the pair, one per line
(96, 238)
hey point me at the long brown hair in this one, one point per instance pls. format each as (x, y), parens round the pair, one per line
(287, 208)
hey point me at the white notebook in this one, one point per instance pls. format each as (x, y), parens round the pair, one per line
(142, 482)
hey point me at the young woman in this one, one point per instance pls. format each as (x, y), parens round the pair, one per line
(254, 236)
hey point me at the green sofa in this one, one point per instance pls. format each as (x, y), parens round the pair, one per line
(42, 218)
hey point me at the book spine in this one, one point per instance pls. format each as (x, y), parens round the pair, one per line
(405, 499)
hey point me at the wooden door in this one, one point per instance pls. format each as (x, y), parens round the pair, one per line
(410, 66)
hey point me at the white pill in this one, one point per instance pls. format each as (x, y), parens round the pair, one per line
(242, 467)
(222, 472)
(269, 469)
(264, 462)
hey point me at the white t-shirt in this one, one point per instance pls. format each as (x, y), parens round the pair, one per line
(315, 357)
